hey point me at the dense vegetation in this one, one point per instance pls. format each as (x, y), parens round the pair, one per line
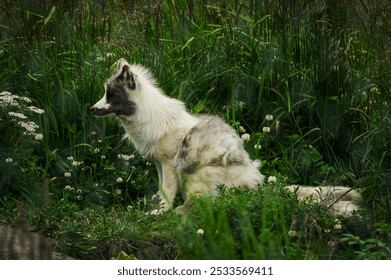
(320, 70)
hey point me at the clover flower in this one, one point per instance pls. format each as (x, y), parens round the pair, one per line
(266, 129)
(38, 137)
(245, 137)
(272, 179)
(257, 147)
(269, 117)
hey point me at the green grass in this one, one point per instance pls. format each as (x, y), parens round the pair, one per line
(321, 69)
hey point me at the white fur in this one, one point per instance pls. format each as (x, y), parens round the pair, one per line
(340, 200)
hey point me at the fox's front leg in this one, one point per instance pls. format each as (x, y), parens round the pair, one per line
(168, 186)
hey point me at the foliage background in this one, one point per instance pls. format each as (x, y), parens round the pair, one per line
(321, 68)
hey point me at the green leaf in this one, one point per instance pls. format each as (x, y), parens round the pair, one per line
(50, 15)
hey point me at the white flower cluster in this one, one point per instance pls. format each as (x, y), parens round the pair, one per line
(9, 101)
(125, 157)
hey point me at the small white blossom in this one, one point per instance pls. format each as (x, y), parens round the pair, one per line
(68, 174)
(79, 197)
(79, 191)
(26, 99)
(269, 117)
(242, 129)
(7, 99)
(119, 180)
(18, 115)
(77, 163)
(68, 188)
(272, 179)
(338, 225)
(36, 110)
(266, 129)
(118, 192)
(38, 137)
(245, 137)
(96, 150)
(125, 157)
(257, 147)
(8, 160)
(292, 233)
(200, 232)
(30, 127)
(129, 208)
(102, 156)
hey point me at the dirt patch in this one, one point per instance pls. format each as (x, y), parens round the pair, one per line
(17, 243)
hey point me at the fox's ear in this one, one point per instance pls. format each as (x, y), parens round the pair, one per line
(120, 63)
(126, 77)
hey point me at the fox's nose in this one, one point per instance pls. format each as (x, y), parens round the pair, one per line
(92, 109)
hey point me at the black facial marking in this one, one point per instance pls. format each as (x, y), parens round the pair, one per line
(119, 103)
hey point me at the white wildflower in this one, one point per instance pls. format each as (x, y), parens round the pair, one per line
(67, 174)
(30, 127)
(79, 197)
(38, 137)
(200, 232)
(257, 147)
(79, 191)
(96, 150)
(8, 160)
(266, 129)
(36, 110)
(118, 192)
(242, 129)
(26, 99)
(292, 233)
(125, 157)
(245, 137)
(272, 179)
(269, 117)
(68, 188)
(77, 163)
(102, 156)
(7, 99)
(18, 115)
(119, 180)
(338, 224)
(129, 208)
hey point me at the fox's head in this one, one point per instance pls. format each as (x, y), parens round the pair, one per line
(119, 89)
